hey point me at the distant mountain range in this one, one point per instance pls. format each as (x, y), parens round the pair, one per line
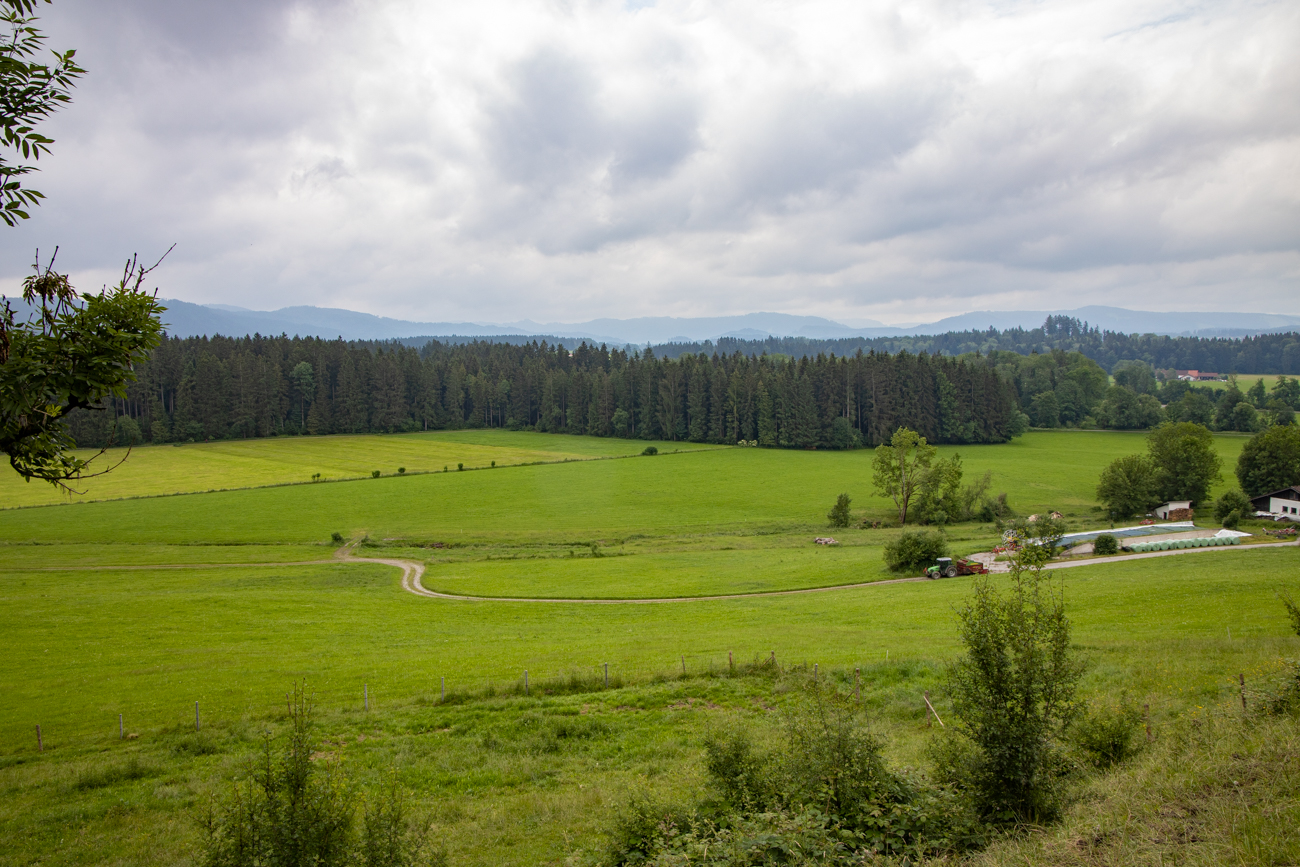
(184, 319)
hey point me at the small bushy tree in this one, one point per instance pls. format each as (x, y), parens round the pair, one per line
(296, 810)
(839, 513)
(1013, 691)
(1106, 545)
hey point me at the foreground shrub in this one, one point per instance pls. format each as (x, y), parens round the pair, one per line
(295, 810)
(1013, 694)
(813, 790)
(1283, 696)
(1106, 736)
(650, 450)
(913, 549)
(1106, 545)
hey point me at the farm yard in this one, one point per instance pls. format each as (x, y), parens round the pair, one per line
(141, 600)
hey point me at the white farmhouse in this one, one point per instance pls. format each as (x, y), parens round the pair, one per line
(1279, 504)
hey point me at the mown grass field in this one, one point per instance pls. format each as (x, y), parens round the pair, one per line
(507, 778)
(231, 464)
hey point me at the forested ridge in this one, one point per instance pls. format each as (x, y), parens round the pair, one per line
(212, 388)
(1264, 353)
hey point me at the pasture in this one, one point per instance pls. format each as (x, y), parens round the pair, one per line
(704, 490)
(176, 468)
(104, 617)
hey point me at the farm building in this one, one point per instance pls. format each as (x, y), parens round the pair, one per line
(1174, 510)
(1284, 503)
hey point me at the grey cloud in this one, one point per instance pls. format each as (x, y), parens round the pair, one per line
(605, 161)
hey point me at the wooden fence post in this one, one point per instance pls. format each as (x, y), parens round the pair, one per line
(444, 688)
(1146, 717)
(683, 664)
(926, 694)
(196, 716)
(121, 730)
(857, 683)
(365, 694)
(1241, 678)
(525, 681)
(40, 744)
(607, 675)
(731, 663)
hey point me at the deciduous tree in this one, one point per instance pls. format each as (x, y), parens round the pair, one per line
(1270, 461)
(1185, 461)
(900, 466)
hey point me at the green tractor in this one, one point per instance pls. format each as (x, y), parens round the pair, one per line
(946, 567)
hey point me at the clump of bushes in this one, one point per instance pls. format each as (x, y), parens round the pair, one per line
(650, 450)
(401, 471)
(913, 549)
(1105, 736)
(1106, 545)
(817, 785)
(336, 537)
(374, 474)
(1230, 508)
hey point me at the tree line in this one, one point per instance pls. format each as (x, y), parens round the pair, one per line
(193, 389)
(1263, 353)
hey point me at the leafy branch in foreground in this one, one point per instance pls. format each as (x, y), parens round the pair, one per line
(71, 352)
(29, 93)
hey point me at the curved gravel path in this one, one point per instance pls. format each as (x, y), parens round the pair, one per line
(413, 571)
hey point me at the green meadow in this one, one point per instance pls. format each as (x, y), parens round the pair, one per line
(229, 464)
(144, 606)
(703, 490)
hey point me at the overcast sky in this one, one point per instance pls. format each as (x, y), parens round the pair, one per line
(560, 161)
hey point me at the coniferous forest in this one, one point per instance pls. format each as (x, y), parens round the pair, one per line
(195, 389)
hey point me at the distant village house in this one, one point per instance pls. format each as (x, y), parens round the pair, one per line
(1199, 376)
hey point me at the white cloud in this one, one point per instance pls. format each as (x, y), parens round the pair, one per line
(497, 161)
